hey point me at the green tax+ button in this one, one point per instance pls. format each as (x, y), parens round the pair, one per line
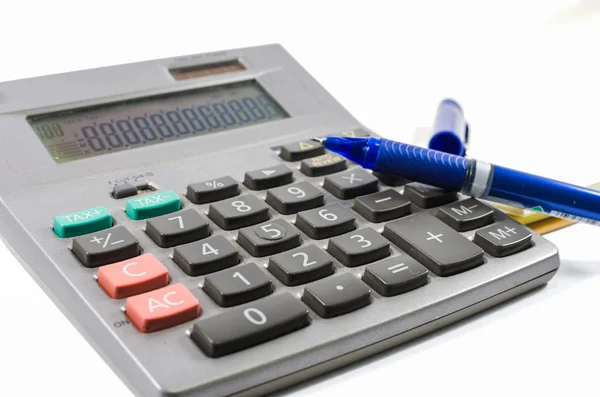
(152, 205)
(82, 222)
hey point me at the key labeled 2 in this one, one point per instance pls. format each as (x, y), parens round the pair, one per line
(301, 265)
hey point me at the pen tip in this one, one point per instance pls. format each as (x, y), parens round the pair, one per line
(317, 139)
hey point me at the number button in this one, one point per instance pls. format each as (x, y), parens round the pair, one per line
(177, 228)
(326, 222)
(237, 285)
(212, 190)
(359, 247)
(382, 206)
(301, 265)
(206, 256)
(250, 325)
(269, 238)
(337, 295)
(267, 178)
(466, 215)
(301, 196)
(238, 212)
(395, 276)
(350, 184)
(426, 196)
(503, 238)
(108, 246)
(301, 150)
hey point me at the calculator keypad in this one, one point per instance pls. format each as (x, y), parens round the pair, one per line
(329, 221)
(426, 196)
(301, 265)
(206, 256)
(359, 247)
(297, 151)
(133, 276)
(266, 178)
(162, 308)
(325, 164)
(249, 325)
(382, 206)
(269, 238)
(177, 228)
(503, 238)
(238, 212)
(212, 190)
(337, 295)
(105, 247)
(433, 243)
(238, 285)
(291, 199)
(394, 276)
(351, 183)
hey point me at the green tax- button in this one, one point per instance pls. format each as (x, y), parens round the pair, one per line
(82, 222)
(152, 205)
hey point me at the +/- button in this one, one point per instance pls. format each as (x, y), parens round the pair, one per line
(151, 205)
(82, 222)
(132, 277)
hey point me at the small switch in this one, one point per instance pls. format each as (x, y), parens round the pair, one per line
(124, 190)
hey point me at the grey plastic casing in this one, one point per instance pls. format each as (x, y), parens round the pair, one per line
(33, 189)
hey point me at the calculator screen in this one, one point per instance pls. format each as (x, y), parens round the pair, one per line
(125, 125)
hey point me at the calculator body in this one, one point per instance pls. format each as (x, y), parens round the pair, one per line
(34, 188)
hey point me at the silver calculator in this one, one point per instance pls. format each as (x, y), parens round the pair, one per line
(179, 215)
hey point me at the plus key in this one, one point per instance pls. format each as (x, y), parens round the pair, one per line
(433, 243)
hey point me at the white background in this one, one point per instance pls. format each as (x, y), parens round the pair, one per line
(528, 76)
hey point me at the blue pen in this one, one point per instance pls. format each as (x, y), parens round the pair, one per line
(470, 177)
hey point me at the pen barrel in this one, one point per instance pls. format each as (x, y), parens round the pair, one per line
(428, 166)
(555, 198)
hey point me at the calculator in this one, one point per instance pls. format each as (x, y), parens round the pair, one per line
(178, 213)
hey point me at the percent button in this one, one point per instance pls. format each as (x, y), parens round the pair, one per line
(212, 190)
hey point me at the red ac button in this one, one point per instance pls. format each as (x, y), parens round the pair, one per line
(133, 276)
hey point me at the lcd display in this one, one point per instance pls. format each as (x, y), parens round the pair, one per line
(126, 125)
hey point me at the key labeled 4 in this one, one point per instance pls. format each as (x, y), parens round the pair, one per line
(162, 308)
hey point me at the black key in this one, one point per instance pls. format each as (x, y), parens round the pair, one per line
(202, 257)
(426, 196)
(503, 238)
(466, 215)
(331, 220)
(177, 228)
(391, 180)
(105, 247)
(250, 325)
(124, 190)
(212, 190)
(357, 133)
(382, 206)
(327, 163)
(301, 150)
(294, 198)
(433, 243)
(269, 177)
(351, 183)
(359, 247)
(238, 212)
(337, 295)
(395, 276)
(301, 265)
(269, 238)
(237, 285)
